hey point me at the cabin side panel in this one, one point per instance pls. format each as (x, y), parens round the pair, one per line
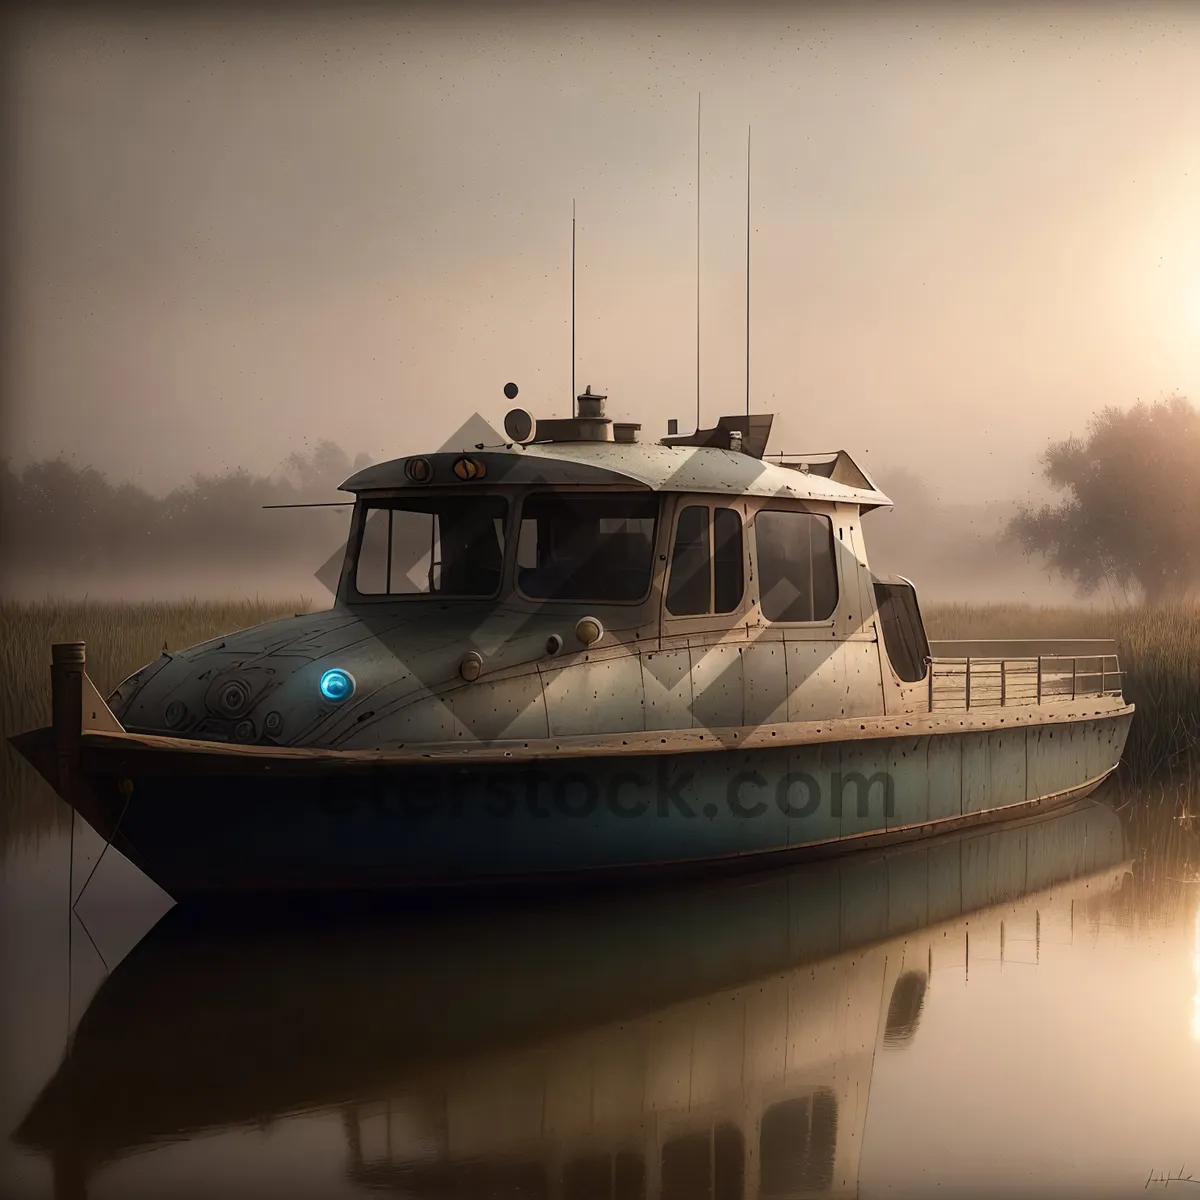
(585, 696)
(765, 680)
(503, 708)
(716, 670)
(864, 688)
(866, 676)
(815, 679)
(666, 686)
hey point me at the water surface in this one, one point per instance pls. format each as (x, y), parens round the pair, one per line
(1013, 1011)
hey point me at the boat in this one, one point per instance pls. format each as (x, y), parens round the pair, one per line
(716, 1038)
(575, 654)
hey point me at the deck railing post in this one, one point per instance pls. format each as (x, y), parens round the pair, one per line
(1003, 684)
(968, 683)
(1074, 675)
(1039, 680)
(931, 685)
(1103, 671)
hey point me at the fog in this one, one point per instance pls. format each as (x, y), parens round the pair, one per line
(232, 236)
(67, 531)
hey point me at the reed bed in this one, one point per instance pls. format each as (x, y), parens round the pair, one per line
(120, 638)
(1159, 650)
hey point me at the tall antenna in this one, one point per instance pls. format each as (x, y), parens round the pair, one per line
(747, 270)
(572, 307)
(697, 260)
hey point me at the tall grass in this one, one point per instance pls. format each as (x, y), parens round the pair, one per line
(1159, 652)
(120, 638)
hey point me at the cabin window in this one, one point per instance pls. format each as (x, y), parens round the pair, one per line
(598, 549)
(445, 546)
(903, 631)
(797, 574)
(707, 573)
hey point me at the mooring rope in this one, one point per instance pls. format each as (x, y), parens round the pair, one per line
(127, 788)
(70, 922)
(88, 932)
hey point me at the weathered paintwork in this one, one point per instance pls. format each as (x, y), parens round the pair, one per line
(452, 821)
(249, 801)
(637, 1034)
(656, 467)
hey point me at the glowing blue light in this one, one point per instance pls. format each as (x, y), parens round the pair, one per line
(337, 684)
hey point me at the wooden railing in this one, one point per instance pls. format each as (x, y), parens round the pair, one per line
(973, 682)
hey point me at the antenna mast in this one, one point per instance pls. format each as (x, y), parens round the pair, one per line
(697, 260)
(572, 307)
(747, 270)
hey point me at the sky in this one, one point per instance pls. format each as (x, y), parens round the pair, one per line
(232, 235)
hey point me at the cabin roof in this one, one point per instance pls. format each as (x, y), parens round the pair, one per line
(835, 478)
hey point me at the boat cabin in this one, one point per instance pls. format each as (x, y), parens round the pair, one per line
(575, 580)
(691, 547)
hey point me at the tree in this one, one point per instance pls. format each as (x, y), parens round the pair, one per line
(1131, 515)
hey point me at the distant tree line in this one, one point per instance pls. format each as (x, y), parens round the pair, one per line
(55, 515)
(1129, 516)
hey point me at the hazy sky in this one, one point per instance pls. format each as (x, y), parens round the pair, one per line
(972, 228)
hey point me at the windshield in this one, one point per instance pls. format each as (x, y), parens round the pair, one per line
(443, 545)
(595, 548)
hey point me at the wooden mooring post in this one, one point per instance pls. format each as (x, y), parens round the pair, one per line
(68, 661)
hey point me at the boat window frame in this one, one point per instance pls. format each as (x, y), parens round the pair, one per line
(348, 592)
(899, 583)
(782, 504)
(710, 502)
(583, 492)
(673, 625)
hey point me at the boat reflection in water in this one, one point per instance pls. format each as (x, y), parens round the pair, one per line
(716, 1042)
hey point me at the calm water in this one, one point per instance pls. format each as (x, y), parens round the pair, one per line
(1014, 1012)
